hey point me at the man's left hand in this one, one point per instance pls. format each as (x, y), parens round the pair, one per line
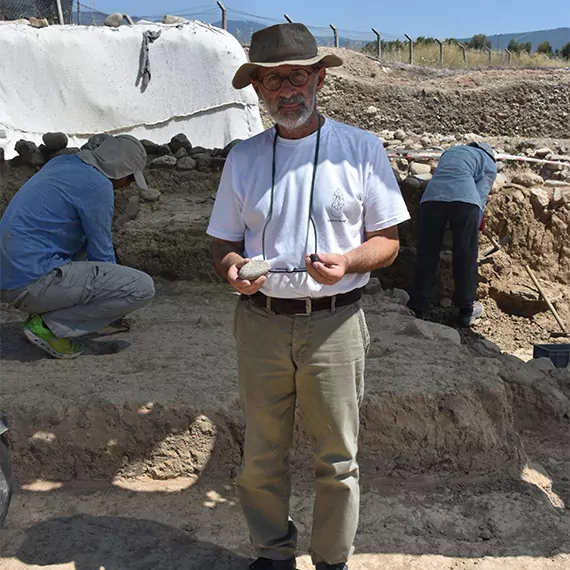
(330, 268)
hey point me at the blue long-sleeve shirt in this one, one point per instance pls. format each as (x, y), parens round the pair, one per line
(66, 207)
(464, 174)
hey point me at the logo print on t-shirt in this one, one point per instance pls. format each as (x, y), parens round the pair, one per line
(337, 208)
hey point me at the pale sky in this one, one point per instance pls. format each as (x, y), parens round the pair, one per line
(435, 18)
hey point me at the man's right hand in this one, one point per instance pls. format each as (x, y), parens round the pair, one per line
(243, 285)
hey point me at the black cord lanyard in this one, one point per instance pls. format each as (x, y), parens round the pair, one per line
(270, 213)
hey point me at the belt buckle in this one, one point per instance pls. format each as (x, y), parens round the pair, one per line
(308, 307)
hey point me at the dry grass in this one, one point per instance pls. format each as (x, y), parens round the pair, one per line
(428, 55)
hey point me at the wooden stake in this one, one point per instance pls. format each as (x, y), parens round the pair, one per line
(543, 294)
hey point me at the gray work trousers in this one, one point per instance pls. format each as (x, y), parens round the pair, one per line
(83, 297)
(316, 361)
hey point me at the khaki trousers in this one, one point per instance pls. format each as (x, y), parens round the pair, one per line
(316, 361)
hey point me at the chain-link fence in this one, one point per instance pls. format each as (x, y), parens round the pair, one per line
(15, 9)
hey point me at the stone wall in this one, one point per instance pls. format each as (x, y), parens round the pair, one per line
(162, 230)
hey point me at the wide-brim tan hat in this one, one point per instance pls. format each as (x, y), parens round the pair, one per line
(283, 44)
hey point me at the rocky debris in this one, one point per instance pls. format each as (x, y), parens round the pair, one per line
(538, 218)
(29, 153)
(457, 102)
(150, 147)
(424, 178)
(150, 195)
(539, 198)
(169, 19)
(114, 20)
(181, 153)
(166, 161)
(557, 183)
(500, 180)
(203, 161)
(186, 163)
(527, 179)
(252, 270)
(55, 141)
(180, 141)
(163, 150)
(217, 163)
(542, 152)
(419, 168)
(127, 208)
(516, 301)
(38, 22)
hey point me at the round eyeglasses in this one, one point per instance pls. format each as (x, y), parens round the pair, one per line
(297, 78)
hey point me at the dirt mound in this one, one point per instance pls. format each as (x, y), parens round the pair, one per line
(533, 103)
(160, 401)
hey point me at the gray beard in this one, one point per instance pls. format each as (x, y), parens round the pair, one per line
(292, 119)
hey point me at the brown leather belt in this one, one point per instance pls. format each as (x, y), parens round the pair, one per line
(304, 305)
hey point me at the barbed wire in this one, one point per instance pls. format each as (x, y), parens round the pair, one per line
(16, 9)
(76, 11)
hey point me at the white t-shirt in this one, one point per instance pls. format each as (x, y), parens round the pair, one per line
(355, 192)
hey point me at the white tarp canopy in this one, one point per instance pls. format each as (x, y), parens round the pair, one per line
(81, 80)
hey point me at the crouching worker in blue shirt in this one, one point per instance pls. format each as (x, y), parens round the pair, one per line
(64, 212)
(456, 195)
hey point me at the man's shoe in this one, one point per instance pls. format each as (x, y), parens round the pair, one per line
(325, 566)
(37, 333)
(467, 319)
(269, 564)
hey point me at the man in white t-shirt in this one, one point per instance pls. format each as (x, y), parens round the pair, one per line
(318, 201)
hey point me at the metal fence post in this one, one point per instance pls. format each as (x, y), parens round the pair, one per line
(440, 51)
(464, 50)
(509, 55)
(78, 13)
(489, 50)
(224, 15)
(379, 44)
(288, 19)
(335, 35)
(59, 12)
(411, 41)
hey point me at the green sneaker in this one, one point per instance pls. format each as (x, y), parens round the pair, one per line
(37, 333)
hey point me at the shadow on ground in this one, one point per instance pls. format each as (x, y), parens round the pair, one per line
(118, 543)
(14, 346)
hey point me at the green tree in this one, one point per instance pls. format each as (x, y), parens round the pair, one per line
(526, 46)
(565, 51)
(370, 47)
(545, 48)
(514, 46)
(479, 41)
(421, 40)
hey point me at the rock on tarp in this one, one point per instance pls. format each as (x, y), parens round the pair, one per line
(80, 80)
